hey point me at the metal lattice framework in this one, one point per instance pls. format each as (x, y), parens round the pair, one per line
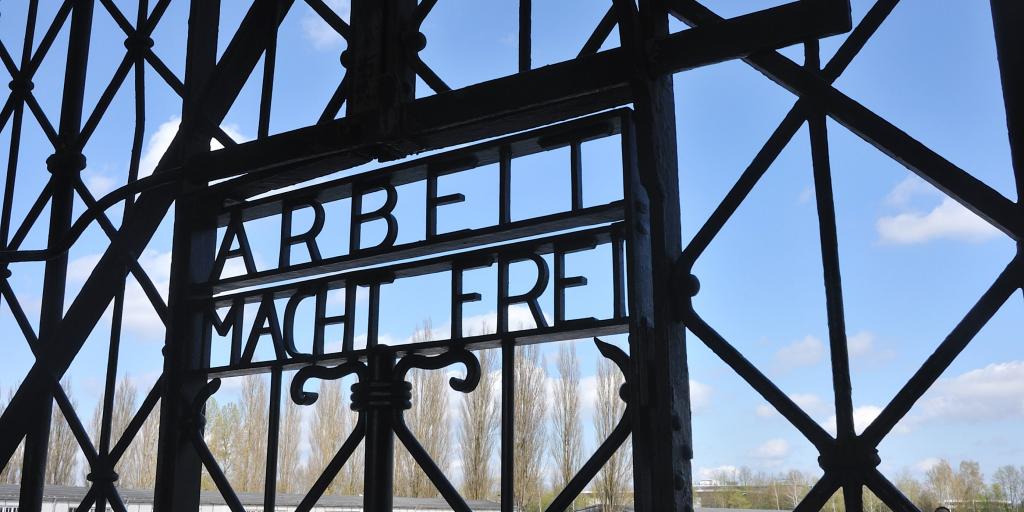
(384, 120)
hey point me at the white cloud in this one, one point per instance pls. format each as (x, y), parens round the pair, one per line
(806, 352)
(322, 35)
(994, 392)
(805, 195)
(80, 268)
(865, 353)
(98, 183)
(862, 417)
(948, 220)
(912, 186)
(860, 344)
(772, 449)
(700, 396)
(588, 392)
(139, 317)
(158, 143)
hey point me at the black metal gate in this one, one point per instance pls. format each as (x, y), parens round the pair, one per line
(559, 106)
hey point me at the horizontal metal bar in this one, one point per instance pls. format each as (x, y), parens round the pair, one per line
(496, 107)
(442, 243)
(478, 155)
(482, 257)
(570, 330)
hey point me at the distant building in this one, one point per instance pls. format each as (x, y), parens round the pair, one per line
(59, 498)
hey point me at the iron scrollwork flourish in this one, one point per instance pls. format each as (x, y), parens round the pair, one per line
(463, 385)
(302, 397)
(205, 455)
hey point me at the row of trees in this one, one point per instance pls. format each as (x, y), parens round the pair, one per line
(136, 467)
(961, 489)
(548, 444)
(548, 449)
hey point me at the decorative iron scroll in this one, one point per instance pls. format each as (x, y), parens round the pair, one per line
(389, 393)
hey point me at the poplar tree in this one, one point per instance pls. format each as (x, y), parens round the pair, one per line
(145, 448)
(122, 408)
(328, 431)
(567, 448)
(352, 472)
(612, 482)
(429, 421)
(11, 474)
(62, 459)
(530, 427)
(289, 437)
(479, 427)
(253, 432)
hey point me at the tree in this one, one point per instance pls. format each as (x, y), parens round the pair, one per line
(529, 426)
(567, 449)
(871, 502)
(328, 430)
(251, 473)
(428, 420)
(145, 450)
(612, 482)
(479, 425)
(1011, 481)
(62, 458)
(941, 481)
(796, 487)
(970, 484)
(122, 408)
(11, 473)
(222, 426)
(915, 491)
(288, 456)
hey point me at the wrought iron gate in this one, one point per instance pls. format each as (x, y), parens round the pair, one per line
(386, 119)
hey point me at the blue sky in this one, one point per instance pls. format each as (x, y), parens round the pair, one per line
(913, 260)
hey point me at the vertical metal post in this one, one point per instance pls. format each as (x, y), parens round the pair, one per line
(1007, 22)
(379, 472)
(853, 491)
(273, 431)
(178, 466)
(662, 444)
(508, 423)
(525, 35)
(381, 79)
(64, 165)
(378, 59)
